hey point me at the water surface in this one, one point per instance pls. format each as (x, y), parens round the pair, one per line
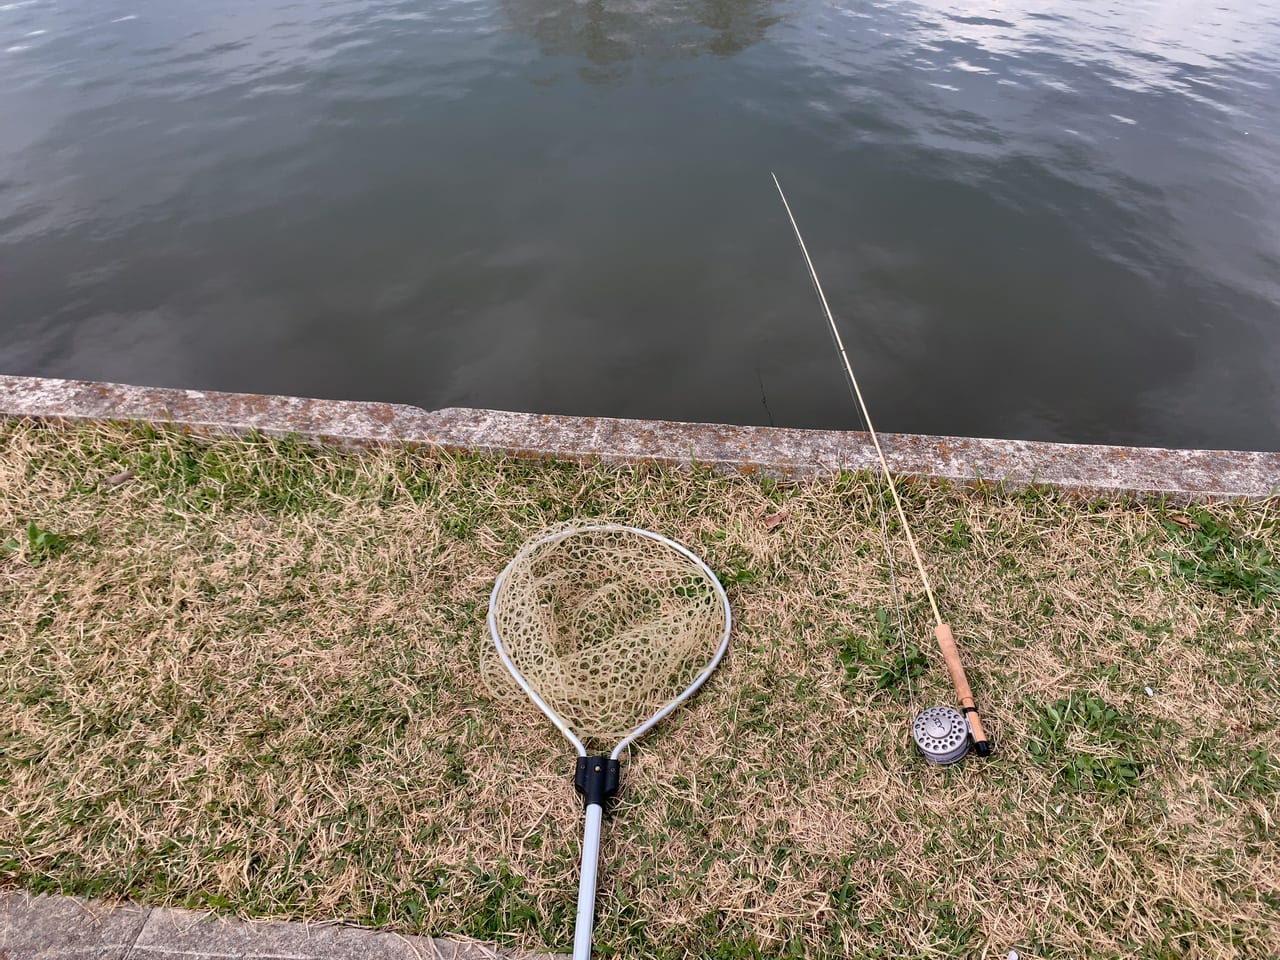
(1051, 221)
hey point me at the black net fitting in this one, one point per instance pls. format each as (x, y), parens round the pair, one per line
(596, 779)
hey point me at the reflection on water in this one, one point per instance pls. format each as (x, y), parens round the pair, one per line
(1060, 223)
(606, 34)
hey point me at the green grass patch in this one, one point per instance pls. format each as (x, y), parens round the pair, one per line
(1087, 744)
(1205, 549)
(878, 660)
(35, 546)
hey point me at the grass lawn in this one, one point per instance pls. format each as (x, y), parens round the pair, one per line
(253, 676)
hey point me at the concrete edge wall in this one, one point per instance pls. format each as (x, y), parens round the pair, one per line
(772, 451)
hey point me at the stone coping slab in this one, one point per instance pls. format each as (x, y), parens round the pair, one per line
(778, 452)
(63, 928)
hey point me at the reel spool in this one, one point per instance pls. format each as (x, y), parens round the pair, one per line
(941, 734)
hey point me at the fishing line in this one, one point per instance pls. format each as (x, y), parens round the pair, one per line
(942, 733)
(764, 401)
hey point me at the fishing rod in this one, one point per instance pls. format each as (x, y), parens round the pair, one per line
(943, 734)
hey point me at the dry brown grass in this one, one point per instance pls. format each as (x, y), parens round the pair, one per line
(250, 675)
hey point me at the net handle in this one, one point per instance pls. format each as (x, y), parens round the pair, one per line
(585, 921)
(667, 709)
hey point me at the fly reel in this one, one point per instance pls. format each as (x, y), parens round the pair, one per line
(942, 735)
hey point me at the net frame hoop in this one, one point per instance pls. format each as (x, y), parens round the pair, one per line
(663, 712)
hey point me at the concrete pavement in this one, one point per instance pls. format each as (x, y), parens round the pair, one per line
(67, 928)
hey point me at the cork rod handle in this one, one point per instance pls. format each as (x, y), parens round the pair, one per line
(954, 667)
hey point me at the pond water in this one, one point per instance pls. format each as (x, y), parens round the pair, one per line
(1048, 221)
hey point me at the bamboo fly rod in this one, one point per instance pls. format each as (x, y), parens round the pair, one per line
(941, 630)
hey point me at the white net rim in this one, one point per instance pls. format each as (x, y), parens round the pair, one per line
(663, 712)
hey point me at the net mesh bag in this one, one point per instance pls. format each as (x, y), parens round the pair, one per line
(607, 625)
